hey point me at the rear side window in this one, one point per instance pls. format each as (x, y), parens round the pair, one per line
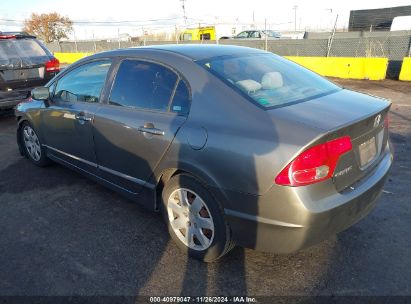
(181, 100)
(255, 35)
(145, 85)
(83, 84)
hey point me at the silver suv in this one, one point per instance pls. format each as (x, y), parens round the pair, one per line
(25, 63)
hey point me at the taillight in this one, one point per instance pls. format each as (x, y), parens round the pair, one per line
(386, 122)
(53, 65)
(7, 36)
(314, 164)
(27, 100)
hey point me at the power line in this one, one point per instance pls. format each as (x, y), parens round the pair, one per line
(107, 22)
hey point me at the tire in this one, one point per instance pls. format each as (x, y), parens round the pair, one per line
(32, 145)
(209, 235)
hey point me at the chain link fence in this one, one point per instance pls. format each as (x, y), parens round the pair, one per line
(393, 45)
(385, 44)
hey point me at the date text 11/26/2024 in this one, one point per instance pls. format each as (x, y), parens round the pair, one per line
(235, 299)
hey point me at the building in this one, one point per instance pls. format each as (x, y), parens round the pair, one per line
(376, 19)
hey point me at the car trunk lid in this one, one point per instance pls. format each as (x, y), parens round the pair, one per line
(340, 114)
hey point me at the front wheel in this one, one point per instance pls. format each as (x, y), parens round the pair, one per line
(194, 219)
(33, 148)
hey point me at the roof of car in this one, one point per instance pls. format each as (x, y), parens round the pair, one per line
(198, 51)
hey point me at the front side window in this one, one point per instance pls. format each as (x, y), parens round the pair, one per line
(206, 36)
(83, 84)
(270, 80)
(143, 85)
(187, 36)
(242, 35)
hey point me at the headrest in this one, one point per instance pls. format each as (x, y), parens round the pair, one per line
(272, 80)
(249, 85)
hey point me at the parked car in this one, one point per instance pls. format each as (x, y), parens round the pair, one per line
(232, 145)
(24, 63)
(258, 34)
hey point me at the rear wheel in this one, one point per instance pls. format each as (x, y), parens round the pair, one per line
(195, 220)
(32, 145)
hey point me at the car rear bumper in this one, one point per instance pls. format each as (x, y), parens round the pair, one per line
(10, 99)
(20, 90)
(286, 223)
(8, 104)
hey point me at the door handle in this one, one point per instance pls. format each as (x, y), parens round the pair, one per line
(150, 129)
(82, 117)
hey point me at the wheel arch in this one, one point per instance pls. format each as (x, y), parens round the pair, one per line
(166, 174)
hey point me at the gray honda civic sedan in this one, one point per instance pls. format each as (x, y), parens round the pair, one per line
(233, 145)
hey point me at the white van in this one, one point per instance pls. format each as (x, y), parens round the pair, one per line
(401, 23)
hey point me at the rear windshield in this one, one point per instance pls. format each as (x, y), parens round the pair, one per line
(20, 52)
(270, 80)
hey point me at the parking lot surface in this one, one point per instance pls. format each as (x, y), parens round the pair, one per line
(62, 234)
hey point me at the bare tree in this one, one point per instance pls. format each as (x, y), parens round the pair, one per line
(48, 27)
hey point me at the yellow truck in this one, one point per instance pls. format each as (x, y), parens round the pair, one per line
(199, 33)
(212, 32)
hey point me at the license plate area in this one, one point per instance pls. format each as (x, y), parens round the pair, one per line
(367, 152)
(23, 74)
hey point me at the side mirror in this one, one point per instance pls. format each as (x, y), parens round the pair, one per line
(40, 93)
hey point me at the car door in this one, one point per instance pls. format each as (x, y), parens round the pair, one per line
(67, 122)
(147, 105)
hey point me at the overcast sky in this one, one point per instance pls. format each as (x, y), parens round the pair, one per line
(314, 14)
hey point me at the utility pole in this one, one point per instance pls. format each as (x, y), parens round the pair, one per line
(266, 35)
(177, 36)
(295, 17)
(216, 29)
(118, 37)
(94, 43)
(75, 39)
(144, 35)
(184, 11)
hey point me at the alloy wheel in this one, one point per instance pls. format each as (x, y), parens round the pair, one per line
(32, 143)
